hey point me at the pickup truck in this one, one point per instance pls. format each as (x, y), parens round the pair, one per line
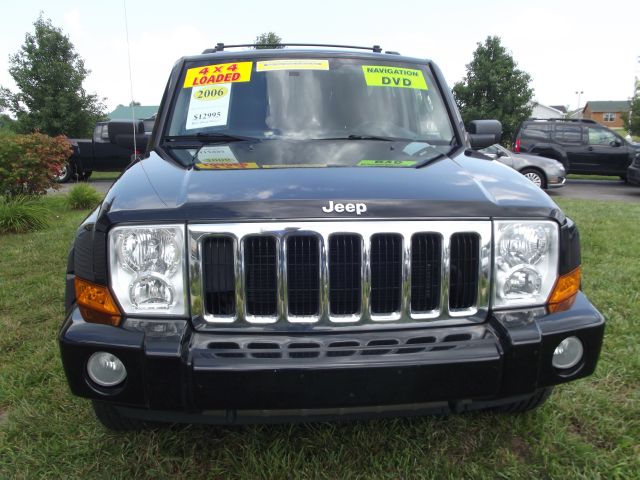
(110, 149)
(310, 236)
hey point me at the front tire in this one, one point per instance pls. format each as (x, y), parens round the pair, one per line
(65, 174)
(112, 419)
(531, 403)
(535, 176)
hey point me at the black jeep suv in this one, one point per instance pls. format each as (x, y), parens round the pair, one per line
(309, 236)
(583, 146)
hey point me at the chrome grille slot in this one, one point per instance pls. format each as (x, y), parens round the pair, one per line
(386, 273)
(219, 286)
(345, 282)
(261, 280)
(426, 256)
(463, 279)
(303, 275)
(348, 274)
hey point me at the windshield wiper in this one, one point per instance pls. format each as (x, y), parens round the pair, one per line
(369, 137)
(429, 160)
(209, 137)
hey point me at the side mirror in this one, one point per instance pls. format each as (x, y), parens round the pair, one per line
(483, 133)
(615, 143)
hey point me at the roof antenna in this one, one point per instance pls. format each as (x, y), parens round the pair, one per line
(133, 107)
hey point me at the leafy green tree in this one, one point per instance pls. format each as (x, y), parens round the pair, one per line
(49, 75)
(268, 40)
(494, 88)
(7, 124)
(632, 118)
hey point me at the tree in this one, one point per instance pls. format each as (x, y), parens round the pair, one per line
(268, 40)
(494, 88)
(49, 75)
(133, 103)
(632, 119)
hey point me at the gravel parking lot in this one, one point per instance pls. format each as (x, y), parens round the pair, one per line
(587, 189)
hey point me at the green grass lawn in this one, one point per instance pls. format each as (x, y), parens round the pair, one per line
(588, 429)
(105, 175)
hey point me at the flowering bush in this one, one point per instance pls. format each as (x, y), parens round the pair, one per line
(28, 163)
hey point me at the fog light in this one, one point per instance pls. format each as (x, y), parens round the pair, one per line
(568, 353)
(106, 369)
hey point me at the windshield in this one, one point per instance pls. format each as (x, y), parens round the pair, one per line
(312, 99)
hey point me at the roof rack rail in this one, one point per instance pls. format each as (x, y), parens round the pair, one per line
(586, 120)
(220, 47)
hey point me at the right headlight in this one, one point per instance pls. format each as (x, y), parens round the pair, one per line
(525, 262)
(147, 267)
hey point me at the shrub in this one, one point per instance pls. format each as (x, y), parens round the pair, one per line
(22, 214)
(28, 163)
(82, 196)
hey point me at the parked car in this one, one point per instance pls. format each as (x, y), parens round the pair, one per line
(310, 236)
(582, 146)
(110, 149)
(544, 172)
(633, 172)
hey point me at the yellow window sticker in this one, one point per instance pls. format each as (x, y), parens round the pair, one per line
(386, 163)
(384, 76)
(208, 106)
(221, 73)
(216, 155)
(226, 166)
(292, 64)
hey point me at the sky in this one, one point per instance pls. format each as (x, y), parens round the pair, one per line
(566, 46)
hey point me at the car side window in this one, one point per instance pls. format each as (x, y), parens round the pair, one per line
(598, 136)
(538, 131)
(568, 134)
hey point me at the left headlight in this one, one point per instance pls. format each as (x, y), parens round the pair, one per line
(148, 269)
(525, 262)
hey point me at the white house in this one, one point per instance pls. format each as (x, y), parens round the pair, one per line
(545, 111)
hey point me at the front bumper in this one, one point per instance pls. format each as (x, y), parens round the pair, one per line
(556, 181)
(633, 174)
(178, 374)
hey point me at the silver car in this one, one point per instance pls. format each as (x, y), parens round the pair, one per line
(544, 172)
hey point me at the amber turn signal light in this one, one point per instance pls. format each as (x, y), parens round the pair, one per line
(96, 303)
(564, 291)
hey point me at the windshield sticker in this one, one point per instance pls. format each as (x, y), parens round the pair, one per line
(208, 106)
(227, 166)
(216, 154)
(383, 76)
(387, 163)
(296, 165)
(221, 73)
(415, 148)
(292, 64)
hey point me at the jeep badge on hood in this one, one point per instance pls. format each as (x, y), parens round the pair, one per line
(358, 208)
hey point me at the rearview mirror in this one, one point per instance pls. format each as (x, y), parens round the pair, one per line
(483, 133)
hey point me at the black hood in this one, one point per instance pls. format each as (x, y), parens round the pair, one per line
(465, 186)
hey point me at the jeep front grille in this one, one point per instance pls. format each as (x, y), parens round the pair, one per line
(352, 273)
